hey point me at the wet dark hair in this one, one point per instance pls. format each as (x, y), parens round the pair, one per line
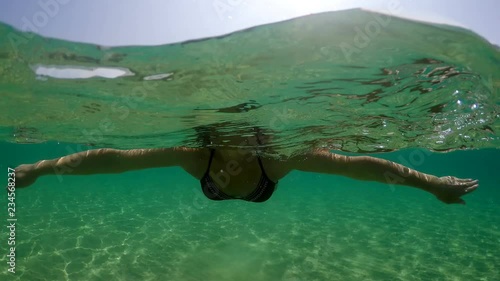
(227, 134)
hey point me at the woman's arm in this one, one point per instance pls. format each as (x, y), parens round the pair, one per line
(447, 189)
(105, 161)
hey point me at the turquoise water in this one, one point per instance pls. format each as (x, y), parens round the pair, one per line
(309, 82)
(156, 225)
(412, 88)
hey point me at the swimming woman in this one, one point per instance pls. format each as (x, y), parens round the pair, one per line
(229, 173)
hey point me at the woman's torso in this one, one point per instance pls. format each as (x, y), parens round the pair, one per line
(236, 172)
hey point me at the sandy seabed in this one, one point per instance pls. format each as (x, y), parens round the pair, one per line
(108, 228)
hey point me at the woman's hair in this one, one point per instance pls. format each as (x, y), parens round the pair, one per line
(229, 134)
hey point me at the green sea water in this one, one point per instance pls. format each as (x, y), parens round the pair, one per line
(409, 90)
(156, 225)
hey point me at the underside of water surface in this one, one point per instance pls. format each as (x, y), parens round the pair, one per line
(353, 81)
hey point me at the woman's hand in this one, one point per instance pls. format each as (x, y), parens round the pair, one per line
(450, 189)
(26, 175)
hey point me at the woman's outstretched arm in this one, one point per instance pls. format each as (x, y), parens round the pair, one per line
(104, 161)
(447, 189)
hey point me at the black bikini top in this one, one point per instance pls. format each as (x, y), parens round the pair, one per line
(262, 192)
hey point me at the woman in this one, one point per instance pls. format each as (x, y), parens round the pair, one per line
(229, 173)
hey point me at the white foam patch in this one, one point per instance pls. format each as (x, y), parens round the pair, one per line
(80, 72)
(158, 76)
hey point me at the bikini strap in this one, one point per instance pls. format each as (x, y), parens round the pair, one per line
(259, 142)
(260, 164)
(212, 151)
(262, 168)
